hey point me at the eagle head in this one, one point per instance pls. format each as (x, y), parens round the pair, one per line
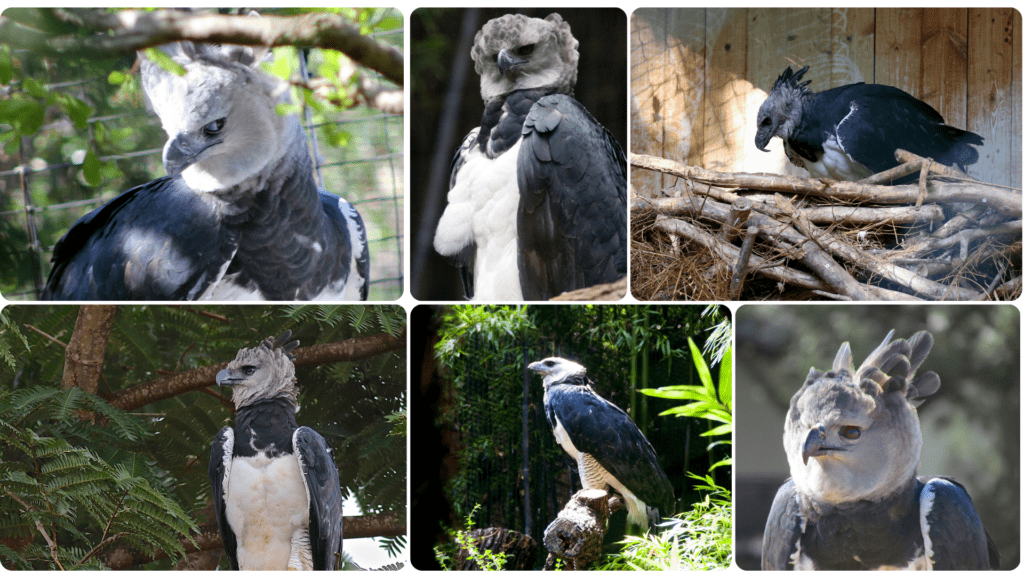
(780, 112)
(853, 436)
(262, 373)
(556, 369)
(516, 52)
(216, 111)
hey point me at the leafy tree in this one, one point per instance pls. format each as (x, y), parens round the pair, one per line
(482, 352)
(74, 133)
(117, 478)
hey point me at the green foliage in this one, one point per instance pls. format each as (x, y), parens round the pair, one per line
(707, 402)
(10, 336)
(83, 499)
(699, 539)
(482, 351)
(486, 560)
(80, 128)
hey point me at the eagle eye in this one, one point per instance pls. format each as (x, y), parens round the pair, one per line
(526, 50)
(214, 127)
(850, 432)
(767, 121)
(248, 370)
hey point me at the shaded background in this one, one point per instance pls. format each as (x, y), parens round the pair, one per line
(971, 426)
(468, 435)
(445, 105)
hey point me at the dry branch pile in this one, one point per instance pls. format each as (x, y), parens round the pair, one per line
(722, 236)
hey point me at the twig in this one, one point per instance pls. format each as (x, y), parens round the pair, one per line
(47, 336)
(39, 526)
(739, 272)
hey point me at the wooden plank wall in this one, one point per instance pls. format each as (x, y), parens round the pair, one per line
(698, 76)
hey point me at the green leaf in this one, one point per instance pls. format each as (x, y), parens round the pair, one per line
(6, 65)
(116, 77)
(91, 168)
(161, 59)
(725, 378)
(33, 87)
(29, 118)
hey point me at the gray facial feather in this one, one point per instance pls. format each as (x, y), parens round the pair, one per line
(220, 117)
(262, 373)
(854, 435)
(550, 62)
(781, 112)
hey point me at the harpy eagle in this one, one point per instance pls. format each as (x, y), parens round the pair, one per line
(603, 443)
(238, 216)
(853, 131)
(854, 501)
(537, 204)
(276, 491)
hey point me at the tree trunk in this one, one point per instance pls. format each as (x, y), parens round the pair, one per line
(577, 534)
(83, 359)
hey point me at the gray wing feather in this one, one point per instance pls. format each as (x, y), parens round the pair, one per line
(572, 201)
(601, 429)
(958, 539)
(782, 531)
(324, 488)
(220, 459)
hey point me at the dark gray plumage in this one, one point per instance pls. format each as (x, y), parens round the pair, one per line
(603, 443)
(538, 192)
(853, 131)
(276, 490)
(238, 216)
(854, 501)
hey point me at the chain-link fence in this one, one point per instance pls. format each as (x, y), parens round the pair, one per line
(358, 154)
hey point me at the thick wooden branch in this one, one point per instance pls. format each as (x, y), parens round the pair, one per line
(1005, 201)
(139, 395)
(124, 32)
(368, 526)
(611, 291)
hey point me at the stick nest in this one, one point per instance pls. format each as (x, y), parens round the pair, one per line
(735, 236)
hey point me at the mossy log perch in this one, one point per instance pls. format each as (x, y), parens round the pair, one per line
(520, 550)
(577, 534)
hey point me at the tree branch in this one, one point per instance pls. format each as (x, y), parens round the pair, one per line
(39, 526)
(386, 525)
(139, 395)
(121, 33)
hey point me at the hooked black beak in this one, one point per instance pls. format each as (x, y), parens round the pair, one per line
(227, 378)
(183, 150)
(814, 444)
(761, 140)
(507, 62)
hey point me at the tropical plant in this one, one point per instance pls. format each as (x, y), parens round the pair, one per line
(104, 479)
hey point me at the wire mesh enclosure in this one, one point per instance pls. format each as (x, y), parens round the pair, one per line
(83, 155)
(499, 462)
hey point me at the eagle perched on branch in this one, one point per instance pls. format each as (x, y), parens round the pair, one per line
(603, 443)
(537, 199)
(276, 490)
(238, 216)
